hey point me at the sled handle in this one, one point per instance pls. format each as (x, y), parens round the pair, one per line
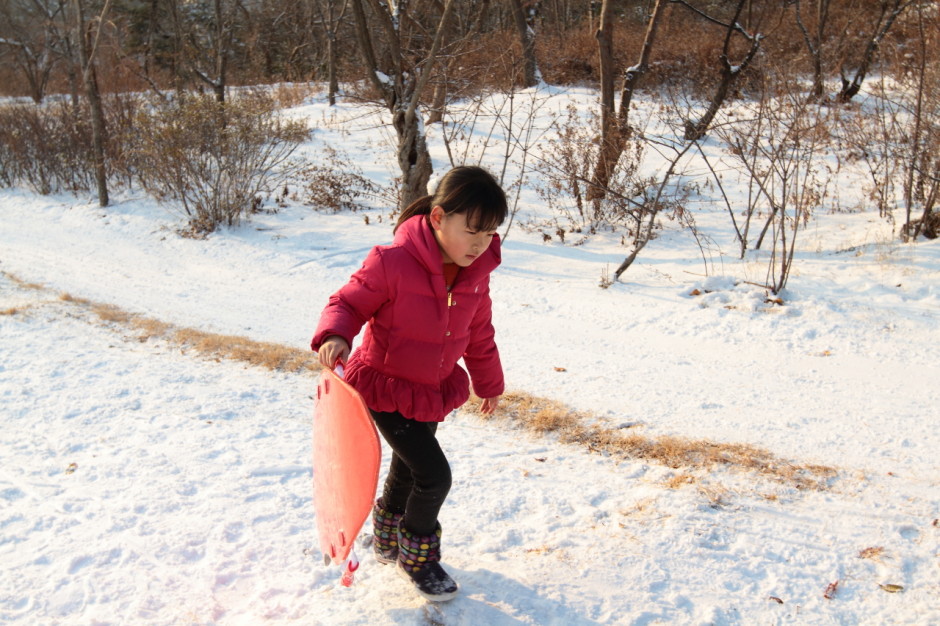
(349, 569)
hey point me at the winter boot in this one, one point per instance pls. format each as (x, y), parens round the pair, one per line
(419, 561)
(385, 529)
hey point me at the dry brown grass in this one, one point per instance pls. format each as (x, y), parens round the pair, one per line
(110, 313)
(22, 284)
(272, 356)
(148, 328)
(542, 416)
(288, 95)
(22, 308)
(678, 481)
(67, 297)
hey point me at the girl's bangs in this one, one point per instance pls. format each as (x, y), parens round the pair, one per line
(484, 219)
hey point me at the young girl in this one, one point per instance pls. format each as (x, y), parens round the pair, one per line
(426, 300)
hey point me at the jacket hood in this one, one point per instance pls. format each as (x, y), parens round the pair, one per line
(417, 236)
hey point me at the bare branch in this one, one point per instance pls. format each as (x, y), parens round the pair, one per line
(429, 62)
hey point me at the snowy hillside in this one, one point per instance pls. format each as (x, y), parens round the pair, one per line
(142, 484)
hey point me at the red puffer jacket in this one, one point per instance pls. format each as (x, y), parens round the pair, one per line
(417, 330)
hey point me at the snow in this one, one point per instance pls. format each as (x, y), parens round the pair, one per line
(141, 484)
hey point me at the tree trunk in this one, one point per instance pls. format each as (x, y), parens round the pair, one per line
(616, 129)
(439, 98)
(332, 80)
(696, 130)
(90, 82)
(814, 44)
(331, 22)
(889, 13)
(221, 53)
(438, 102)
(401, 88)
(609, 150)
(526, 38)
(98, 135)
(37, 83)
(729, 74)
(414, 160)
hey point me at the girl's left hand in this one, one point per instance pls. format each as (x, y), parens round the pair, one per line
(488, 406)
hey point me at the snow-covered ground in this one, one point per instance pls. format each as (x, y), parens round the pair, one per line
(142, 485)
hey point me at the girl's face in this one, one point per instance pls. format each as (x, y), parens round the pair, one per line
(459, 243)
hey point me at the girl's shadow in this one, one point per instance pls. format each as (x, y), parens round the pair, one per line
(487, 597)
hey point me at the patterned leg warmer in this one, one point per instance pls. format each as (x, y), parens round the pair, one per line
(419, 561)
(385, 530)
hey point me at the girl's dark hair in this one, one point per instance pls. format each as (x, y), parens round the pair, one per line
(465, 189)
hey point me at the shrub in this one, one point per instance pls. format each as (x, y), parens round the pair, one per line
(46, 148)
(566, 169)
(337, 186)
(121, 113)
(211, 160)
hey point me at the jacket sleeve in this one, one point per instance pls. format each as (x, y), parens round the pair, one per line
(355, 303)
(482, 355)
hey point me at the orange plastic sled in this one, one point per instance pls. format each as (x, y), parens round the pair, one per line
(346, 459)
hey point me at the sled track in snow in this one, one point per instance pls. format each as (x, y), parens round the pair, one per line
(542, 416)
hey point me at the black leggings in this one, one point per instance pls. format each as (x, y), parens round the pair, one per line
(418, 475)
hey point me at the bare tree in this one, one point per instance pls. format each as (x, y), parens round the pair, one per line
(201, 37)
(393, 42)
(730, 72)
(32, 33)
(527, 39)
(144, 34)
(918, 145)
(814, 42)
(215, 46)
(655, 200)
(872, 139)
(615, 126)
(88, 34)
(776, 148)
(890, 10)
(462, 32)
(512, 118)
(331, 14)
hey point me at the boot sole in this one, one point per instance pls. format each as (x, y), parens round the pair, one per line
(441, 597)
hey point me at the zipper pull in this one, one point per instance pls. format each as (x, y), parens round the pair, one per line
(450, 299)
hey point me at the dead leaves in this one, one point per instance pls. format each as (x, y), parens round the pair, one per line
(769, 298)
(868, 553)
(874, 553)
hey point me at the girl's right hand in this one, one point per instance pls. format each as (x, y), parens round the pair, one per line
(332, 351)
